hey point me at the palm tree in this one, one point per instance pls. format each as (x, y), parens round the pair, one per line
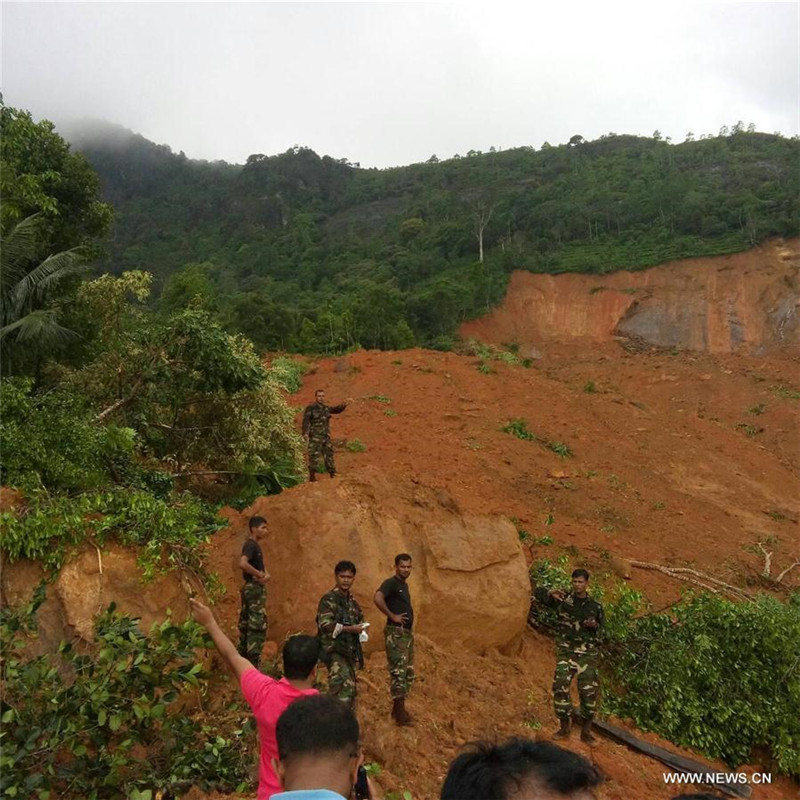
(27, 289)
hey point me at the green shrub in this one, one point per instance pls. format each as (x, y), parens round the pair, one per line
(589, 387)
(52, 440)
(104, 723)
(716, 675)
(355, 446)
(519, 428)
(380, 398)
(287, 372)
(170, 532)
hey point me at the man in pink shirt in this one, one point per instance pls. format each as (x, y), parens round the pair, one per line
(267, 697)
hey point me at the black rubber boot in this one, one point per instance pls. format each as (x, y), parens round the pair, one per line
(586, 731)
(399, 713)
(563, 731)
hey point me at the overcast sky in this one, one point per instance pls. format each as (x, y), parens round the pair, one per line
(392, 84)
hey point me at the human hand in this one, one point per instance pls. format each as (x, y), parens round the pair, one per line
(201, 613)
(557, 594)
(591, 622)
(399, 619)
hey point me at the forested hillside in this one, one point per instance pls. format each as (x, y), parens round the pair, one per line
(303, 252)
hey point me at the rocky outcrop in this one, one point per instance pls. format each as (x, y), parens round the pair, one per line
(743, 302)
(469, 585)
(470, 582)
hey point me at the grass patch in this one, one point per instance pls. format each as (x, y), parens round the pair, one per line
(381, 398)
(756, 410)
(390, 412)
(519, 428)
(749, 430)
(589, 387)
(785, 392)
(355, 446)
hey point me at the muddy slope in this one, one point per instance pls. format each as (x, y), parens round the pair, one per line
(746, 302)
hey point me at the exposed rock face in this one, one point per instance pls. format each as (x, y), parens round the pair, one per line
(86, 585)
(469, 586)
(746, 301)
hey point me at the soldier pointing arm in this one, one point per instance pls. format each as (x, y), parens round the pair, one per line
(317, 432)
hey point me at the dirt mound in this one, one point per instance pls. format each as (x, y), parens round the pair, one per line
(744, 302)
(368, 518)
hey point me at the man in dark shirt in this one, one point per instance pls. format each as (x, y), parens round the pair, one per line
(253, 616)
(394, 600)
(317, 432)
(580, 619)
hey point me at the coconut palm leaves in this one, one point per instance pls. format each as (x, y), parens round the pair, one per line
(28, 289)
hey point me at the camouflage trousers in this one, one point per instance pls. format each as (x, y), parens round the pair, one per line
(252, 622)
(400, 658)
(568, 664)
(320, 448)
(342, 679)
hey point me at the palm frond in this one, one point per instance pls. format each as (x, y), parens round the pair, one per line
(18, 248)
(51, 271)
(39, 327)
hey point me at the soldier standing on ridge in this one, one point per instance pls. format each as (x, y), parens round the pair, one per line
(394, 600)
(340, 627)
(580, 619)
(317, 431)
(253, 616)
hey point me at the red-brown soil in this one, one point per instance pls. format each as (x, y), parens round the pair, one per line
(680, 457)
(660, 472)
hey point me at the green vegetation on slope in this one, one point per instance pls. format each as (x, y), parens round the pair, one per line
(303, 252)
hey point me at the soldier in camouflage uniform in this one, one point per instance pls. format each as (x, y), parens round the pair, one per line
(253, 616)
(317, 431)
(580, 619)
(340, 623)
(394, 600)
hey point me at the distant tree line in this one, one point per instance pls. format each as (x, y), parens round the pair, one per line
(310, 253)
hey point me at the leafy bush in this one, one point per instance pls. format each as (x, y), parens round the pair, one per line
(287, 372)
(170, 532)
(716, 675)
(355, 446)
(106, 724)
(51, 440)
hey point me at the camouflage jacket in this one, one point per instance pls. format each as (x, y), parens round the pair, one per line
(335, 607)
(317, 419)
(571, 612)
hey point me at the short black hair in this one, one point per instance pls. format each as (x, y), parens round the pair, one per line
(300, 656)
(491, 772)
(401, 557)
(314, 725)
(344, 566)
(580, 573)
(255, 522)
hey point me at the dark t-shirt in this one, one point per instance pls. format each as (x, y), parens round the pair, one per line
(398, 599)
(255, 557)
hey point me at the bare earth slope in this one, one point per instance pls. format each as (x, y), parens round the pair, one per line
(746, 302)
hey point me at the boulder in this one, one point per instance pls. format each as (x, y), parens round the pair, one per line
(469, 585)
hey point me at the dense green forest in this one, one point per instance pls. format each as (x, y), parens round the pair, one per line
(310, 253)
